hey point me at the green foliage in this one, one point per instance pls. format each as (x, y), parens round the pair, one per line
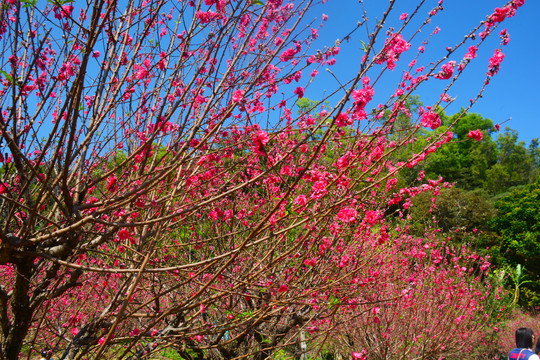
(515, 164)
(60, 2)
(464, 161)
(8, 77)
(492, 165)
(517, 221)
(458, 213)
(518, 224)
(534, 152)
(170, 354)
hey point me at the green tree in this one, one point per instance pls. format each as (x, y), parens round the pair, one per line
(458, 213)
(518, 224)
(534, 152)
(464, 161)
(515, 165)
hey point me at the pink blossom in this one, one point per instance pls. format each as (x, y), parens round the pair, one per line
(319, 189)
(431, 120)
(123, 234)
(447, 71)
(505, 37)
(299, 91)
(141, 73)
(96, 54)
(517, 3)
(300, 200)
(101, 340)
(372, 217)
(500, 13)
(471, 54)
(446, 98)
(283, 288)
(343, 162)
(343, 120)
(358, 355)
(111, 183)
(494, 62)
(476, 135)
(63, 12)
(347, 215)
(394, 46)
(403, 16)
(238, 96)
(205, 17)
(262, 137)
(66, 71)
(290, 53)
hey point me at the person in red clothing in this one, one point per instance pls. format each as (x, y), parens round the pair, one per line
(524, 344)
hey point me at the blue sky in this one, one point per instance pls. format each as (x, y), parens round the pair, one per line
(513, 93)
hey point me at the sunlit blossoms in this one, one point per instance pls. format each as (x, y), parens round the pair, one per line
(347, 215)
(447, 70)
(476, 135)
(495, 62)
(430, 119)
(168, 189)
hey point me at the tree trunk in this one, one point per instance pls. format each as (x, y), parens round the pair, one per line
(22, 312)
(303, 345)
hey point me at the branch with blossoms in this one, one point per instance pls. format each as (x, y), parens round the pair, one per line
(158, 191)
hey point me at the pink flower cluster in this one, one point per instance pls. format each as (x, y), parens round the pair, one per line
(238, 96)
(430, 119)
(393, 48)
(495, 62)
(205, 17)
(260, 139)
(476, 135)
(343, 120)
(471, 54)
(299, 91)
(347, 214)
(361, 98)
(290, 53)
(447, 71)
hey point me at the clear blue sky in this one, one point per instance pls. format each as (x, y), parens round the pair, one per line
(513, 93)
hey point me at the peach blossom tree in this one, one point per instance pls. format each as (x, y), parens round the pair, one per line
(160, 188)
